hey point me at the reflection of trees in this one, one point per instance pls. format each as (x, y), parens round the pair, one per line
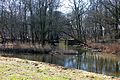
(96, 63)
(117, 67)
(70, 61)
(79, 59)
(51, 58)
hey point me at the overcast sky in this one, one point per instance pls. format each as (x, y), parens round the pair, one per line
(66, 6)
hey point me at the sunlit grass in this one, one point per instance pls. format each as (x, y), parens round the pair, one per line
(18, 77)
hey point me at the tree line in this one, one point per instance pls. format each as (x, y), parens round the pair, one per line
(40, 21)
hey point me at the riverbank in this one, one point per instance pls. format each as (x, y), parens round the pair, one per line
(20, 69)
(106, 48)
(35, 48)
(17, 47)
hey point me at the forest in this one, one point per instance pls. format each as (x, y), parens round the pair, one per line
(40, 21)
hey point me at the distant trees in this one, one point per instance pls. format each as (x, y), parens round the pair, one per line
(76, 28)
(98, 20)
(113, 6)
(103, 14)
(94, 20)
(39, 21)
(27, 19)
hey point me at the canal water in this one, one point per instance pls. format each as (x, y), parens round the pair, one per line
(92, 62)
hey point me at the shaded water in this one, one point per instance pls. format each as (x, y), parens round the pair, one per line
(93, 62)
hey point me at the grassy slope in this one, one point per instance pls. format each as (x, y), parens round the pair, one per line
(18, 69)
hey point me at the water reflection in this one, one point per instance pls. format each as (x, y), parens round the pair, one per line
(86, 61)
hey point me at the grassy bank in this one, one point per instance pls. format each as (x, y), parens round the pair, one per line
(18, 69)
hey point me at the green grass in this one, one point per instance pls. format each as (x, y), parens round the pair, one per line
(54, 78)
(18, 77)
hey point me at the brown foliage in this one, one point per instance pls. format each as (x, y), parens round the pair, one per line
(113, 48)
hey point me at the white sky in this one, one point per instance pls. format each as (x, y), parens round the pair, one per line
(66, 6)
